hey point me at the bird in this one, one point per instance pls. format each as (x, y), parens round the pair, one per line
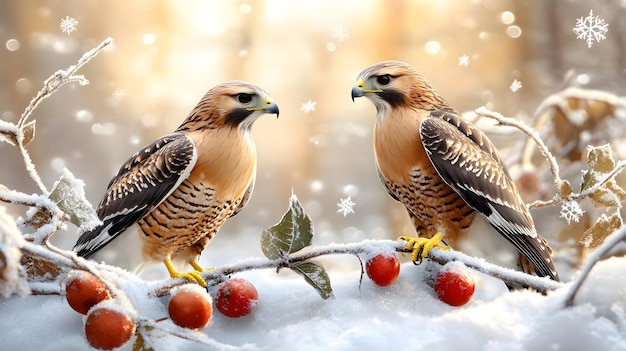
(448, 175)
(169, 199)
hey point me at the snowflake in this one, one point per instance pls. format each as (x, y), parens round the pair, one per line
(340, 33)
(119, 94)
(68, 25)
(571, 211)
(464, 60)
(346, 206)
(308, 106)
(591, 29)
(516, 85)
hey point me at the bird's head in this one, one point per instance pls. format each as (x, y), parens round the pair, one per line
(234, 104)
(395, 84)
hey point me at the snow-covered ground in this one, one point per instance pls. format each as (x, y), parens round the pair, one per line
(406, 315)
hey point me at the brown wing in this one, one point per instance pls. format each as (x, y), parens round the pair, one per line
(141, 184)
(469, 163)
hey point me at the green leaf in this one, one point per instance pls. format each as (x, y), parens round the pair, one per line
(599, 162)
(69, 194)
(316, 276)
(293, 233)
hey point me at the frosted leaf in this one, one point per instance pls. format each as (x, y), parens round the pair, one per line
(12, 279)
(69, 194)
(571, 211)
(591, 29)
(346, 206)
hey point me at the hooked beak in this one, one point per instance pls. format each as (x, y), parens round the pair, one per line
(359, 91)
(270, 107)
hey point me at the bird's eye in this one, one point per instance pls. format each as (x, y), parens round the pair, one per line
(244, 98)
(384, 79)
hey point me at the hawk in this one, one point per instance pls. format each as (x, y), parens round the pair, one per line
(448, 174)
(167, 202)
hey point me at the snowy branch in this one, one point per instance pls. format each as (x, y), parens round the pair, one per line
(25, 130)
(552, 164)
(600, 252)
(367, 247)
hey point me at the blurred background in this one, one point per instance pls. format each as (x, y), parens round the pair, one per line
(167, 54)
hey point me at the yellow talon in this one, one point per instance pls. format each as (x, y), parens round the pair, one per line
(196, 265)
(422, 246)
(192, 276)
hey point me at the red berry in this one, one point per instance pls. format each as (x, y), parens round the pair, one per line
(383, 269)
(454, 284)
(236, 297)
(190, 307)
(84, 291)
(108, 329)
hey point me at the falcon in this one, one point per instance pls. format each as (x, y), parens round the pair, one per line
(448, 175)
(167, 202)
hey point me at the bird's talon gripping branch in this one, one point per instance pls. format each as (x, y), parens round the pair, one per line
(421, 246)
(192, 276)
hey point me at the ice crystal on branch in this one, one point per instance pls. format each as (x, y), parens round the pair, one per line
(346, 206)
(591, 28)
(515, 86)
(68, 25)
(340, 33)
(571, 211)
(464, 60)
(308, 106)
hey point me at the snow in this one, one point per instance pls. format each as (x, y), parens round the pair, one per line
(406, 315)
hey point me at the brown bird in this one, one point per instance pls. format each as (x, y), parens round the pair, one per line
(170, 198)
(448, 174)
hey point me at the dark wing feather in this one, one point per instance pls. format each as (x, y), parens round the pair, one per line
(143, 182)
(470, 164)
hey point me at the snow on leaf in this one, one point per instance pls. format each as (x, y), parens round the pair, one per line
(308, 106)
(316, 276)
(293, 233)
(603, 227)
(464, 60)
(515, 86)
(590, 29)
(600, 163)
(69, 194)
(68, 25)
(571, 211)
(346, 206)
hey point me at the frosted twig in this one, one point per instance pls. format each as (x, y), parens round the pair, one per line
(220, 274)
(508, 121)
(599, 253)
(52, 84)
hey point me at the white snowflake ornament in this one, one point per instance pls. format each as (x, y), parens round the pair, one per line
(591, 29)
(464, 60)
(346, 206)
(68, 25)
(308, 106)
(515, 86)
(571, 211)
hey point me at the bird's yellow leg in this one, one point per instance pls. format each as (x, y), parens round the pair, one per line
(192, 276)
(421, 246)
(196, 265)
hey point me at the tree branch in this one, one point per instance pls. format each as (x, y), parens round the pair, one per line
(220, 274)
